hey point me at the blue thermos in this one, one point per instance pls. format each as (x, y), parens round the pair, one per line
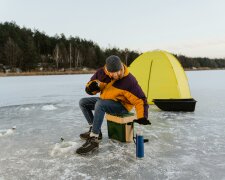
(139, 145)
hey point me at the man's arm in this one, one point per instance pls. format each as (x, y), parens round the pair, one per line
(136, 96)
(97, 82)
(92, 87)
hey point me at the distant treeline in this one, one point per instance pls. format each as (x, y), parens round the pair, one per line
(199, 62)
(29, 50)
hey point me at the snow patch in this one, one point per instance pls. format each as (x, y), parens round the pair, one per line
(7, 132)
(64, 147)
(49, 107)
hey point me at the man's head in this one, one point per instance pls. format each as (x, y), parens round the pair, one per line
(113, 63)
(114, 67)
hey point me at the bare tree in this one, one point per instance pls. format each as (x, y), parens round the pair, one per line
(126, 56)
(12, 53)
(56, 55)
(77, 59)
(70, 57)
(64, 57)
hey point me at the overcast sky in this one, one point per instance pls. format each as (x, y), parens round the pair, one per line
(189, 27)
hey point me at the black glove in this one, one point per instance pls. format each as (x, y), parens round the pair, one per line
(93, 86)
(143, 121)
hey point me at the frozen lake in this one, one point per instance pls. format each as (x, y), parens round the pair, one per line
(45, 108)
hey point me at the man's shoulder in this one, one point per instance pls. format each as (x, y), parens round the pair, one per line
(102, 76)
(126, 83)
(130, 78)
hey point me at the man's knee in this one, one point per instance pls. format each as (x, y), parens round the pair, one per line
(99, 103)
(82, 102)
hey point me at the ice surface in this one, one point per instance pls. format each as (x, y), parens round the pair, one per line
(45, 108)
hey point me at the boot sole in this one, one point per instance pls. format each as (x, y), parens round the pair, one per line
(90, 152)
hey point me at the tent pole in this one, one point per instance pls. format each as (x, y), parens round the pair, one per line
(149, 76)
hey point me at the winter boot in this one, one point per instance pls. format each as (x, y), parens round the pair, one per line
(89, 146)
(86, 135)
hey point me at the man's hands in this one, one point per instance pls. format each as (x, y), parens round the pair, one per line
(143, 121)
(94, 86)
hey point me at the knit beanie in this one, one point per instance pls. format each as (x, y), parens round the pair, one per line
(113, 63)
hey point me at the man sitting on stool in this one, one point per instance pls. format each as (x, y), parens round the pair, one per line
(119, 93)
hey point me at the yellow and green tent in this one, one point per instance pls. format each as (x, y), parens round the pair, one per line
(162, 78)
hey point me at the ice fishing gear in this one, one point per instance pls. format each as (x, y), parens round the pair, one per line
(139, 145)
(120, 127)
(139, 142)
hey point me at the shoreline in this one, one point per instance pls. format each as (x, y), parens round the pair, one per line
(203, 69)
(46, 73)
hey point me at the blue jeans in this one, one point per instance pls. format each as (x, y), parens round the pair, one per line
(100, 107)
